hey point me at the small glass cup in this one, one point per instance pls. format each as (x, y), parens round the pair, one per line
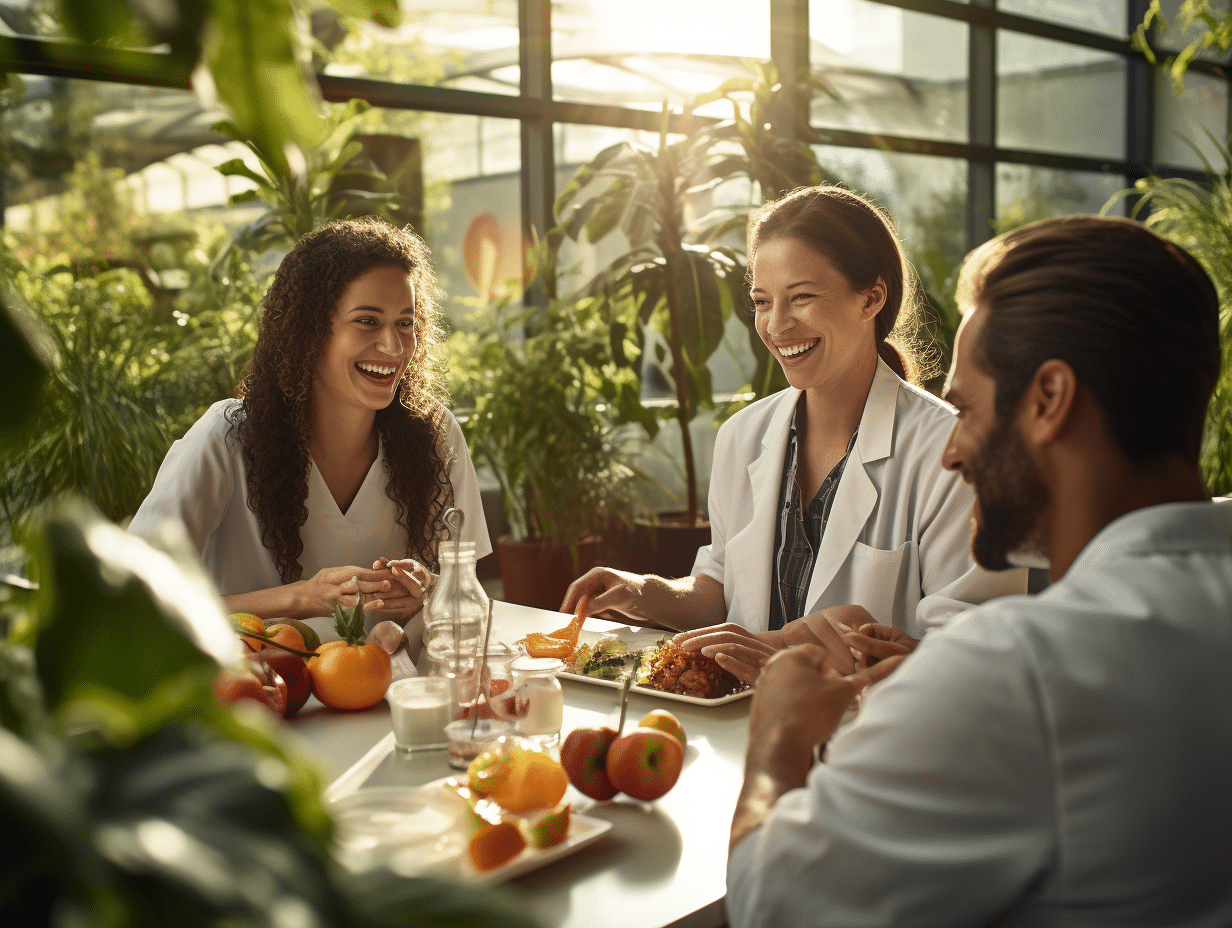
(540, 700)
(420, 708)
(468, 738)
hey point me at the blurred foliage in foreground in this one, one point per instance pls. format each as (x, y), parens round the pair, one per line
(129, 796)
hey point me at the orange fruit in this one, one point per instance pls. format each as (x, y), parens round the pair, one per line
(495, 845)
(247, 622)
(350, 676)
(288, 635)
(534, 781)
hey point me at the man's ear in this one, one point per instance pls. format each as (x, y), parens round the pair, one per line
(1049, 402)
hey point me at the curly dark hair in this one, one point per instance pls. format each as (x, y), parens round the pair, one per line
(273, 421)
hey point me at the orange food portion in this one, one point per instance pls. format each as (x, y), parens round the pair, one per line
(350, 676)
(534, 781)
(540, 645)
(562, 642)
(495, 845)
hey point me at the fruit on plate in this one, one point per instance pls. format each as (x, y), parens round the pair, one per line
(517, 778)
(584, 757)
(348, 673)
(294, 673)
(664, 721)
(255, 682)
(550, 828)
(496, 845)
(645, 763)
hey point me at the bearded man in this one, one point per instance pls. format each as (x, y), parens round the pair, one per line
(1054, 760)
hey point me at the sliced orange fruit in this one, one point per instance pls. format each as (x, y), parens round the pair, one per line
(496, 845)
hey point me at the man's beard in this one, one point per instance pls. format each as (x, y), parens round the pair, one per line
(1010, 498)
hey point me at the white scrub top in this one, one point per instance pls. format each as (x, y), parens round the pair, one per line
(204, 484)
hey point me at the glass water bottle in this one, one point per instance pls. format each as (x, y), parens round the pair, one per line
(455, 613)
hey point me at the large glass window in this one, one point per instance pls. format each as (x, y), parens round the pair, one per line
(467, 44)
(1107, 16)
(1053, 96)
(1193, 125)
(1026, 193)
(640, 53)
(888, 70)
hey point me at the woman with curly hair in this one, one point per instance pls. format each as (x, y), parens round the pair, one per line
(339, 451)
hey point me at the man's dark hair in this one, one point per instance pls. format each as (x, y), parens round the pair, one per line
(1134, 315)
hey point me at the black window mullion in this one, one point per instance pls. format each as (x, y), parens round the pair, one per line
(981, 127)
(538, 174)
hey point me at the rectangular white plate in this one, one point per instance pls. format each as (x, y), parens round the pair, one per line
(455, 862)
(637, 638)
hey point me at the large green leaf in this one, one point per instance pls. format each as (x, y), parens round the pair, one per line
(22, 378)
(253, 57)
(382, 12)
(128, 635)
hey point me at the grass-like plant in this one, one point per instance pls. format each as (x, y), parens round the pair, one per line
(1198, 217)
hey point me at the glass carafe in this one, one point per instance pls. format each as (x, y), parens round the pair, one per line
(455, 613)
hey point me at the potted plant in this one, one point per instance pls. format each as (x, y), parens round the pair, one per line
(684, 287)
(535, 391)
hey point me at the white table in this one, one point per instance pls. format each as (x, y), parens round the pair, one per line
(662, 863)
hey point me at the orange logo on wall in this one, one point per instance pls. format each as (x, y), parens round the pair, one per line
(492, 255)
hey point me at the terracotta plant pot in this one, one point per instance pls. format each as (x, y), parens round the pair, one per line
(668, 548)
(534, 574)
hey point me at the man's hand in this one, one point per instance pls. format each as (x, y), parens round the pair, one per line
(798, 703)
(875, 642)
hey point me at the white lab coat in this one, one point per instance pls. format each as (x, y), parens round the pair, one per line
(898, 538)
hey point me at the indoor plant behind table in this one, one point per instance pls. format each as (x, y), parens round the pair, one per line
(534, 390)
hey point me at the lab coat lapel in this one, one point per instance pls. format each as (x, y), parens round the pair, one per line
(755, 546)
(856, 494)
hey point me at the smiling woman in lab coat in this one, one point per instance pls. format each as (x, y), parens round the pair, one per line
(829, 494)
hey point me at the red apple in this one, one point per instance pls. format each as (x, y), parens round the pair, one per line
(256, 682)
(584, 757)
(645, 763)
(294, 672)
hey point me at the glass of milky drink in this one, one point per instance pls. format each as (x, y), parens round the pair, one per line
(420, 708)
(539, 699)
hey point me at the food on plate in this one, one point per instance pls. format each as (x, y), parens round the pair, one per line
(255, 682)
(560, 643)
(645, 763)
(496, 845)
(664, 721)
(688, 673)
(550, 828)
(605, 660)
(517, 778)
(349, 673)
(584, 757)
(294, 673)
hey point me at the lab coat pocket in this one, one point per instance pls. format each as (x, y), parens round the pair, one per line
(884, 582)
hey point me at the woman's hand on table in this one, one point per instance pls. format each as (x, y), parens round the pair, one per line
(410, 584)
(733, 647)
(647, 599)
(342, 585)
